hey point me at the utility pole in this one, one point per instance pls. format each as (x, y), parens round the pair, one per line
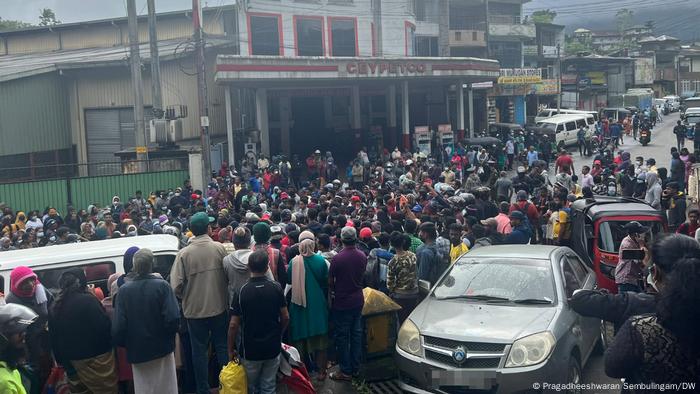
(155, 61)
(559, 77)
(135, 59)
(487, 36)
(202, 90)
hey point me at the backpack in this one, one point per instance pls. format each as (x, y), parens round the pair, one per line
(376, 271)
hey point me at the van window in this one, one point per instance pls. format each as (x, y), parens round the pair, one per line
(2, 284)
(163, 264)
(570, 126)
(581, 123)
(560, 127)
(96, 274)
(590, 121)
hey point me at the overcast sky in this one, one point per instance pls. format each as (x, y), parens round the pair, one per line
(573, 13)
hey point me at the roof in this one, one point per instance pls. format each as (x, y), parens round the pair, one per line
(566, 117)
(540, 252)
(20, 66)
(600, 58)
(581, 30)
(108, 21)
(609, 206)
(86, 250)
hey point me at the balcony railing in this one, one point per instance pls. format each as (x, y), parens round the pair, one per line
(505, 19)
(467, 23)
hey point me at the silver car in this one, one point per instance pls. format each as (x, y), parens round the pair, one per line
(498, 321)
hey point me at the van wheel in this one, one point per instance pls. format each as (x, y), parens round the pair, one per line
(607, 333)
(574, 375)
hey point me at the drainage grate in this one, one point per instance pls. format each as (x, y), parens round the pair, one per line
(387, 387)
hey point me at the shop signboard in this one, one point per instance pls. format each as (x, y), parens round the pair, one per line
(520, 76)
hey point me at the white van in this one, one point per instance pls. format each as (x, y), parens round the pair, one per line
(549, 112)
(566, 127)
(674, 103)
(99, 259)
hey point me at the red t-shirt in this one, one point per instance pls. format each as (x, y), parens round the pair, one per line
(565, 160)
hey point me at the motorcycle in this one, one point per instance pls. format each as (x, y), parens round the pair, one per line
(645, 137)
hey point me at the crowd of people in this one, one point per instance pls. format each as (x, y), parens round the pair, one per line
(282, 249)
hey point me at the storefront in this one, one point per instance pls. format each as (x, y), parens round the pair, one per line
(342, 104)
(519, 94)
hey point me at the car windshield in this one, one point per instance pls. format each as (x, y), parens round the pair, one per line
(611, 234)
(548, 126)
(692, 120)
(498, 280)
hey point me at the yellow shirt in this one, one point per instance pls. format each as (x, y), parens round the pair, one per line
(456, 251)
(10, 381)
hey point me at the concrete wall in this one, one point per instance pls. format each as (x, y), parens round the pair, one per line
(395, 14)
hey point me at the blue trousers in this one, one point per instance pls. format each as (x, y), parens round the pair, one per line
(262, 375)
(348, 339)
(214, 329)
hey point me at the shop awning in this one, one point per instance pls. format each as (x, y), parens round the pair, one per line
(241, 69)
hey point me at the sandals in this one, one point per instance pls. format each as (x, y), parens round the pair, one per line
(339, 376)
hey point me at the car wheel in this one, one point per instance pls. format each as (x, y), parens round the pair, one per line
(574, 375)
(607, 333)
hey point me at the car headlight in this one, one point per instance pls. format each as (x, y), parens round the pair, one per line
(409, 338)
(530, 350)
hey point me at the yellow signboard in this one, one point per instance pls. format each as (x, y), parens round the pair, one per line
(141, 149)
(519, 80)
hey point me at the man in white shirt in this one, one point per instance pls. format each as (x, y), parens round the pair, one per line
(586, 177)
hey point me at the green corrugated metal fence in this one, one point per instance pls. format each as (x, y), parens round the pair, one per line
(28, 196)
(82, 192)
(101, 189)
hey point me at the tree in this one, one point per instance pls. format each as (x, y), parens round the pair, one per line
(543, 16)
(48, 18)
(624, 19)
(6, 24)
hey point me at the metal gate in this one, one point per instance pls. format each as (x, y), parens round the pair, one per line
(109, 131)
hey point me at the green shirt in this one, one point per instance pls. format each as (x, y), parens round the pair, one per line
(415, 243)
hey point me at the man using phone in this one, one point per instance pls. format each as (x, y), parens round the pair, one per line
(630, 266)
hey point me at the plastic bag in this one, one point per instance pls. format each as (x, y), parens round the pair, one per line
(232, 379)
(57, 383)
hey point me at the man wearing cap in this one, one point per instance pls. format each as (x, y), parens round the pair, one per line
(629, 273)
(198, 279)
(345, 286)
(521, 233)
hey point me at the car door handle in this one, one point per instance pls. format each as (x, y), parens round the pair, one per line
(576, 330)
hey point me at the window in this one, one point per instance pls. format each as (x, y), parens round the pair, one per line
(265, 34)
(343, 36)
(612, 232)
(410, 37)
(581, 123)
(163, 264)
(579, 269)
(427, 46)
(419, 8)
(571, 283)
(96, 274)
(560, 127)
(570, 126)
(309, 36)
(697, 86)
(548, 39)
(685, 86)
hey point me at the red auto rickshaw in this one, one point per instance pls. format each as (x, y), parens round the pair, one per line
(597, 231)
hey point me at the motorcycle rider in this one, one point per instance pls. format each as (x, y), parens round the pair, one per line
(14, 321)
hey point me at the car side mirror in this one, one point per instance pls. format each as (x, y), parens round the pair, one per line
(424, 286)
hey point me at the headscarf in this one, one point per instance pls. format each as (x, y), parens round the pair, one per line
(128, 263)
(21, 220)
(306, 249)
(19, 275)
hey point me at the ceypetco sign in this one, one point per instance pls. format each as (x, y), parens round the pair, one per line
(379, 68)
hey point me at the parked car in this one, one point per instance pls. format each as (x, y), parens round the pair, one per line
(674, 102)
(498, 321)
(690, 102)
(597, 231)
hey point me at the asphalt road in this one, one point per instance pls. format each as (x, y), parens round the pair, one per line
(662, 139)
